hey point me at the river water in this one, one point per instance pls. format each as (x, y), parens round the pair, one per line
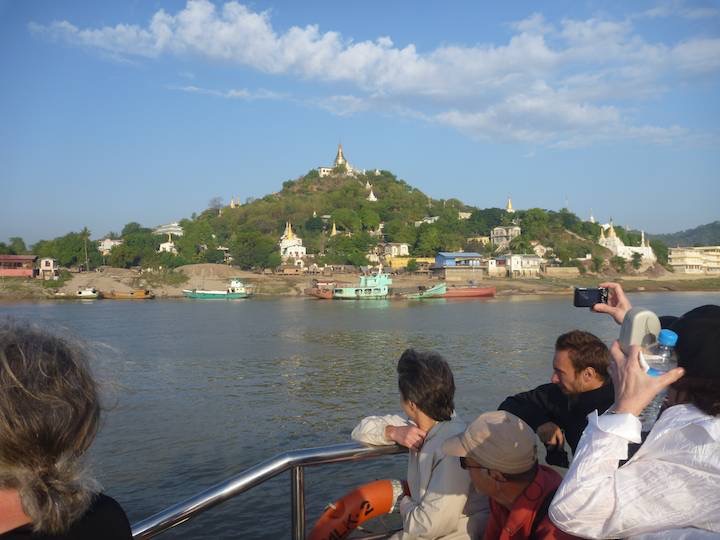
(198, 391)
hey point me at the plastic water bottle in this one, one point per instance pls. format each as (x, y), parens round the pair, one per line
(660, 359)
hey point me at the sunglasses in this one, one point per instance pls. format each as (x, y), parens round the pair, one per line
(465, 465)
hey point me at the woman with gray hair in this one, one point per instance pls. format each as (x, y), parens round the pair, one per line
(49, 416)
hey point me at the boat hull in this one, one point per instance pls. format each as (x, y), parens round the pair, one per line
(317, 292)
(469, 292)
(214, 295)
(132, 295)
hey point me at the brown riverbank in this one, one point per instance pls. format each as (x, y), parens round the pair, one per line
(216, 276)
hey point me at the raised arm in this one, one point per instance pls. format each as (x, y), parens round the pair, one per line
(618, 304)
(599, 500)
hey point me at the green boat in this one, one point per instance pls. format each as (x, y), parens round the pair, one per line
(236, 289)
(370, 287)
(436, 291)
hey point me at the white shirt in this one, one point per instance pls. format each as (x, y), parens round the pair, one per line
(669, 489)
(443, 503)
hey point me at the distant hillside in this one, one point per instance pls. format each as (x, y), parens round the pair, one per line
(704, 235)
(340, 217)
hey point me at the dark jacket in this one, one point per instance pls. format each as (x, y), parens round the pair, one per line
(547, 403)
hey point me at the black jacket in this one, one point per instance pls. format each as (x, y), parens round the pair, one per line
(547, 403)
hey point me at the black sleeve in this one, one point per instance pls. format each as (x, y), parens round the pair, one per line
(536, 406)
(106, 519)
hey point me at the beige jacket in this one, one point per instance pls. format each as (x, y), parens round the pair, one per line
(443, 503)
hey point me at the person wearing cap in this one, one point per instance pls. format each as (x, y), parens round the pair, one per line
(442, 503)
(498, 450)
(580, 383)
(671, 487)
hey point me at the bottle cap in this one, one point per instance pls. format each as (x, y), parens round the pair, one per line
(667, 338)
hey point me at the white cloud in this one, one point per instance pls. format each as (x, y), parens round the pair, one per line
(240, 93)
(555, 85)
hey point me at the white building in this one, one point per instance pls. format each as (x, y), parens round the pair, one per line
(429, 220)
(464, 215)
(291, 245)
(168, 247)
(695, 260)
(396, 249)
(106, 244)
(49, 268)
(522, 265)
(501, 236)
(619, 249)
(372, 197)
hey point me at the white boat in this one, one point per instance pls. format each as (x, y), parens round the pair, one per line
(86, 293)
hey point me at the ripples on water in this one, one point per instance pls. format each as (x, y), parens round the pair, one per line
(199, 391)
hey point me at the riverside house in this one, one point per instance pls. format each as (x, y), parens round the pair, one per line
(17, 265)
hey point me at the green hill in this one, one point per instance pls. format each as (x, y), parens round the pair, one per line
(704, 235)
(251, 231)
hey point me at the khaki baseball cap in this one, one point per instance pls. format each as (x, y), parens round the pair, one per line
(497, 440)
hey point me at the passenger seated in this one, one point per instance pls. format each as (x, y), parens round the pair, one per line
(499, 451)
(442, 503)
(671, 487)
(49, 415)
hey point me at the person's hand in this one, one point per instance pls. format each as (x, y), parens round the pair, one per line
(409, 436)
(635, 389)
(618, 304)
(551, 434)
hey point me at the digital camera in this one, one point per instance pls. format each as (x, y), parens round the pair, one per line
(589, 296)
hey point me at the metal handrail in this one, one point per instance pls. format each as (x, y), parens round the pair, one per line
(294, 461)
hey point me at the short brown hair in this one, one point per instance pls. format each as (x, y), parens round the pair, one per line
(585, 350)
(49, 415)
(425, 379)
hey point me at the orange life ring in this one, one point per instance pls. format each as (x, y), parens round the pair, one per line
(361, 504)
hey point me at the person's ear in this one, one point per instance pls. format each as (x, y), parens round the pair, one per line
(589, 373)
(497, 475)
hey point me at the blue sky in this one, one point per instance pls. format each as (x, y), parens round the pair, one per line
(143, 111)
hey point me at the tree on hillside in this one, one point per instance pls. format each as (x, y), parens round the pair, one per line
(428, 242)
(597, 263)
(636, 261)
(343, 249)
(70, 249)
(139, 248)
(369, 218)
(618, 263)
(398, 231)
(661, 251)
(347, 219)
(216, 203)
(252, 250)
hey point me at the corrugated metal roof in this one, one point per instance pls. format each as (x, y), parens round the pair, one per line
(17, 258)
(457, 254)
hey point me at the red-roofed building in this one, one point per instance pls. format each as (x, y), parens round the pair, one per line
(17, 265)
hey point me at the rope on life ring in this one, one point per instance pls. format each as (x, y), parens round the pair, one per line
(356, 507)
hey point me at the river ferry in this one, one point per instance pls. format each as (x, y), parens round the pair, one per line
(373, 286)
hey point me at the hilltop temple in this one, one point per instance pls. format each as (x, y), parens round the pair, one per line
(291, 245)
(340, 161)
(618, 247)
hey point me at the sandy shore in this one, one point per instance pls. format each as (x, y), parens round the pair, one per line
(216, 276)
